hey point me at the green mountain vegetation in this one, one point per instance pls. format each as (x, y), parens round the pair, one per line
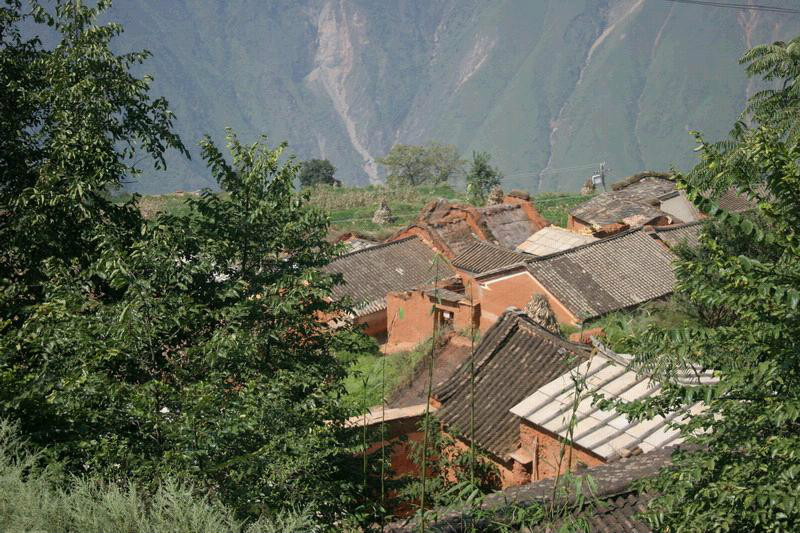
(542, 86)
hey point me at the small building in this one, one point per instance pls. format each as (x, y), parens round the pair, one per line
(514, 359)
(563, 413)
(632, 203)
(400, 429)
(585, 282)
(371, 273)
(413, 314)
(451, 228)
(553, 239)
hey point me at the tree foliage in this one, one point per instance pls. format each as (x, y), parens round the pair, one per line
(744, 471)
(189, 347)
(411, 165)
(317, 172)
(481, 177)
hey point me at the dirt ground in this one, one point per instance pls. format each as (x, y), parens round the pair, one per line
(448, 359)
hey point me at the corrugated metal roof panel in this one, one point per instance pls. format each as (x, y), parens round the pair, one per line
(553, 239)
(604, 432)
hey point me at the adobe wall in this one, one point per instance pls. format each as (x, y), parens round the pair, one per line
(516, 290)
(511, 473)
(425, 236)
(578, 226)
(529, 209)
(374, 323)
(410, 320)
(545, 448)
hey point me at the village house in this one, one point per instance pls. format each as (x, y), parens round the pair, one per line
(616, 500)
(631, 203)
(514, 359)
(563, 412)
(371, 273)
(412, 315)
(451, 228)
(585, 282)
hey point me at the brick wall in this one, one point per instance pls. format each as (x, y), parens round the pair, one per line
(545, 449)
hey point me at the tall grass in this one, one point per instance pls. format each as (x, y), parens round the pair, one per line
(38, 498)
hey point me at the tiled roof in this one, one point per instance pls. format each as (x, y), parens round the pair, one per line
(508, 223)
(736, 202)
(482, 256)
(513, 360)
(606, 433)
(632, 204)
(371, 273)
(621, 271)
(456, 234)
(617, 502)
(355, 244)
(553, 239)
(688, 234)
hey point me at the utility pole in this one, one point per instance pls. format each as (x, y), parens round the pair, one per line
(600, 179)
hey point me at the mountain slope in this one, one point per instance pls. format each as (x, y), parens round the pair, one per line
(543, 85)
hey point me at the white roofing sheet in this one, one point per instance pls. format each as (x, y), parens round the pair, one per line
(606, 433)
(553, 239)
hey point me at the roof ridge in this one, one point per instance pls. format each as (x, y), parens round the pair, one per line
(523, 316)
(619, 235)
(672, 227)
(372, 248)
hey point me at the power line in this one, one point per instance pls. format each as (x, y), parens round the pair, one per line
(751, 7)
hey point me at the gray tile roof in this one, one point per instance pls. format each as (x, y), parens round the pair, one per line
(371, 273)
(515, 358)
(621, 271)
(508, 223)
(617, 501)
(481, 256)
(734, 201)
(456, 234)
(553, 239)
(676, 234)
(632, 204)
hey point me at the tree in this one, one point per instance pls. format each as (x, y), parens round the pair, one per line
(742, 473)
(317, 172)
(189, 347)
(481, 177)
(411, 165)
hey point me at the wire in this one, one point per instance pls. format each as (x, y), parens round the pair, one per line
(752, 7)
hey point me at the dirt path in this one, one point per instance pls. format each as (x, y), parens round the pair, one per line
(448, 360)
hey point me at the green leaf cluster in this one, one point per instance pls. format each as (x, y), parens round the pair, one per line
(481, 178)
(741, 472)
(430, 164)
(187, 347)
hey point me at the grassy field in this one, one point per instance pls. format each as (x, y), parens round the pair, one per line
(365, 377)
(352, 208)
